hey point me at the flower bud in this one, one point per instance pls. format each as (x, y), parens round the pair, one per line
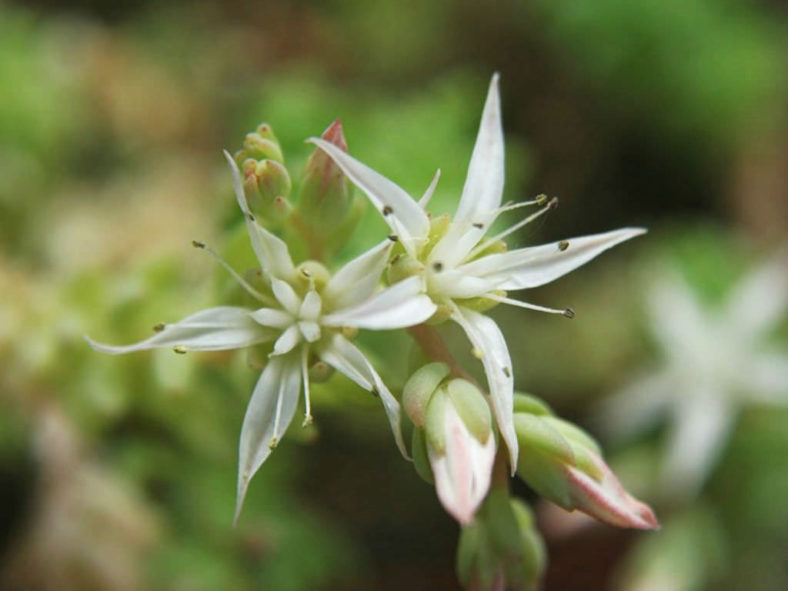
(502, 548)
(419, 389)
(564, 464)
(325, 203)
(460, 447)
(261, 145)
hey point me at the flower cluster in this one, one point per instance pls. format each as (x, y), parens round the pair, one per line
(430, 269)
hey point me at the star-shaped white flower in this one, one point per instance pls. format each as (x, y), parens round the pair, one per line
(716, 360)
(305, 318)
(460, 265)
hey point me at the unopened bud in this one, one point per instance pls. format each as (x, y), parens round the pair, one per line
(320, 372)
(419, 389)
(472, 408)
(260, 145)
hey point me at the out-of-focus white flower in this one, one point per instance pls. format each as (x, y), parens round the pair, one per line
(304, 313)
(463, 270)
(716, 360)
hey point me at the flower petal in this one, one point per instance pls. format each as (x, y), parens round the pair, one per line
(427, 197)
(456, 284)
(271, 250)
(270, 411)
(286, 296)
(311, 306)
(536, 265)
(768, 379)
(485, 336)
(272, 317)
(287, 341)
(357, 280)
(484, 184)
(462, 474)
(637, 406)
(346, 358)
(310, 330)
(398, 306)
(759, 302)
(606, 499)
(213, 329)
(401, 212)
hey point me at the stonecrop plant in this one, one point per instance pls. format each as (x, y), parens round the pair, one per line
(430, 269)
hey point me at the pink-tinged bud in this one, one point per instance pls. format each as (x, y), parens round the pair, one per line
(325, 204)
(461, 455)
(563, 464)
(607, 500)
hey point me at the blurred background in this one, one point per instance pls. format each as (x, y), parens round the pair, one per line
(118, 473)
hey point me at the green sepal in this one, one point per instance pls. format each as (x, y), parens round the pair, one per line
(477, 563)
(536, 434)
(502, 524)
(525, 573)
(527, 403)
(472, 407)
(546, 476)
(582, 444)
(438, 228)
(421, 460)
(419, 389)
(403, 266)
(434, 420)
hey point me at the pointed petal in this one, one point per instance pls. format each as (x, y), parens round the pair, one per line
(357, 280)
(536, 265)
(271, 251)
(311, 306)
(678, 320)
(699, 432)
(484, 184)
(398, 306)
(287, 341)
(310, 330)
(286, 296)
(402, 213)
(346, 358)
(270, 411)
(768, 379)
(606, 499)
(462, 474)
(485, 336)
(759, 302)
(272, 317)
(214, 329)
(456, 284)
(425, 199)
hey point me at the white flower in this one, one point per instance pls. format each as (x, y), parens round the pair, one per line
(304, 316)
(460, 265)
(716, 360)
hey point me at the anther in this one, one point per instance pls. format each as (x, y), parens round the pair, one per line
(375, 392)
(306, 273)
(307, 421)
(159, 327)
(478, 353)
(540, 199)
(507, 372)
(478, 225)
(273, 443)
(563, 245)
(387, 210)
(437, 266)
(393, 237)
(569, 313)
(251, 217)
(553, 203)
(198, 244)
(180, 349)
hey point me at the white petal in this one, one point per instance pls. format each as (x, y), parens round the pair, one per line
(425, 199)
(767, 379)
(268, 415)
(310, 330)
(462, 474)
(698, 434)
(214, 329)
(398, 306)
(459, 240)
(455, 284)
(343, 356)
(678, 320)
(485, 336)
(536, 265)
(287, 341)
(759, 302)
(273, 318)
(484, 184)
(357, 280)
(286, 296)
(311, 306)
(271, 251)
(637, 406)
(405, 216)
